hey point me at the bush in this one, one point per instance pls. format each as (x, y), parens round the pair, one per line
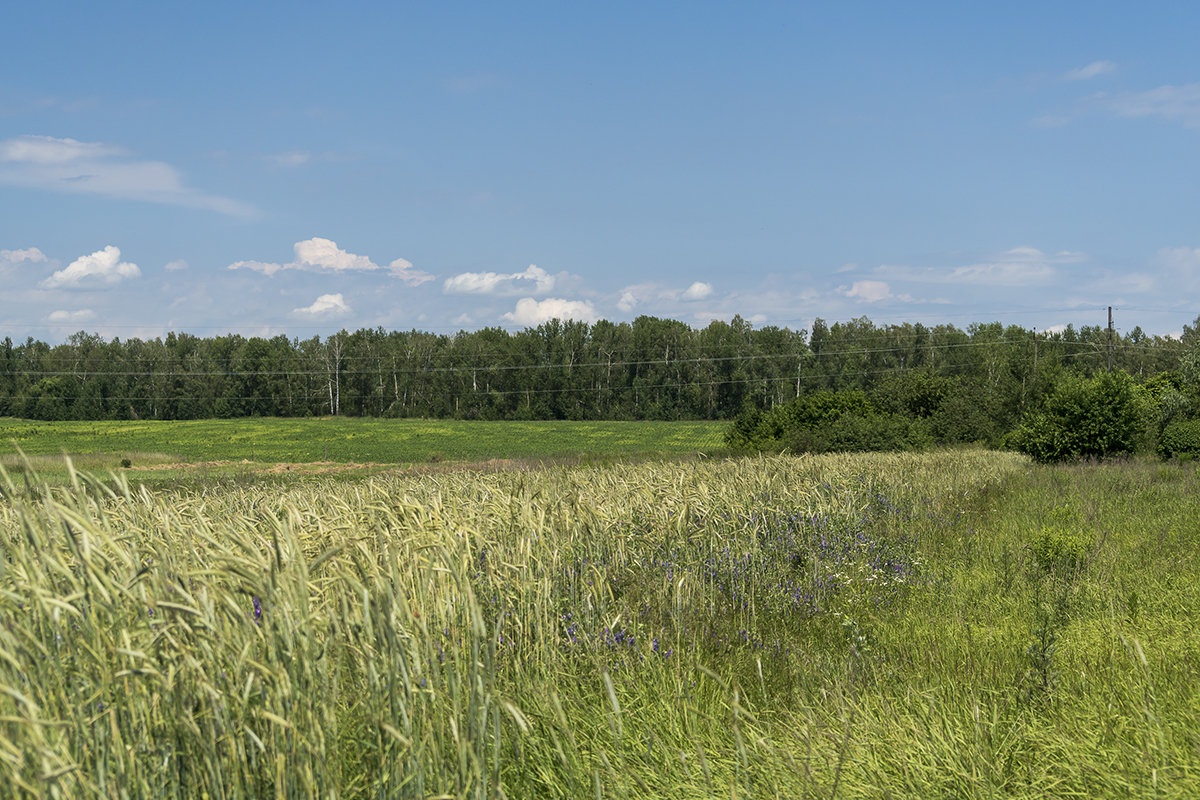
(1095, 417)
(1180, 439)
(1062, 545)
(822, 422)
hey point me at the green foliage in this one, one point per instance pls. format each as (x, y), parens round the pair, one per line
(825, 421)
(1096, 417)
(1180, 439)
(1062, 545)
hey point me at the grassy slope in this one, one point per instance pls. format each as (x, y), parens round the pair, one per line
(957, 624)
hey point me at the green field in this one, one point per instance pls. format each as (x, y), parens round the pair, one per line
(362, 440)
(950, 624)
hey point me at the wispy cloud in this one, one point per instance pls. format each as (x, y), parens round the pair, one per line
(1172, 103)
(75, 167)
(1020, 266)
(1092, 70)
(323, 255)
(291, 158)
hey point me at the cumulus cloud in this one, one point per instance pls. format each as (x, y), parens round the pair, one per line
(30, 254)
(75, 167)
(499, 283)
(176, 265)
(530, 312)
(71, 317)
(101, 267)
(698, 291)
(323, 255)
(327, 306)
(1092, 70)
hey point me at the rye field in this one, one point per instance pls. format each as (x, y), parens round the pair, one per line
(949, 624)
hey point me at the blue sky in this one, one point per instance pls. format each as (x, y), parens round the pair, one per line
(298, 168)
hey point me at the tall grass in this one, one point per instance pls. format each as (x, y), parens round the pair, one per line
(952, 624)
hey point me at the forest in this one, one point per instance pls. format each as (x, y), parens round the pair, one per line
(652, 368)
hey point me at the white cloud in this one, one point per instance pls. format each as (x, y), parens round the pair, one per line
(30, 254)
(640, 293)
(1173, 103)
(82, 315)
(74, 167)
(1090, 71)
(176, 265)
(101, 267)
(530, 312)
(265, 267)
(326, 306)
(323, 255)
(500, 284)
(869, 291)
(402, 269)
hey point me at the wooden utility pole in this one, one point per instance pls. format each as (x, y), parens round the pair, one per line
(1110, 333)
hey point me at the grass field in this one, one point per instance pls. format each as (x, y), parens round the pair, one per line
(953, 624)
(382, 441)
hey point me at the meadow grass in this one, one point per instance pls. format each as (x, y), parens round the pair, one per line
(951, 624)
(341, 439)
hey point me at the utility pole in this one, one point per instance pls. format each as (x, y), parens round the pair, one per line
(1110, 333)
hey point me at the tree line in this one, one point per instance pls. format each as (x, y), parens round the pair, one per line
(651, 368)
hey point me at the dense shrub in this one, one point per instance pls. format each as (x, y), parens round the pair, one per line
(1180, 439)
(1094, 417)
(821, 422)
